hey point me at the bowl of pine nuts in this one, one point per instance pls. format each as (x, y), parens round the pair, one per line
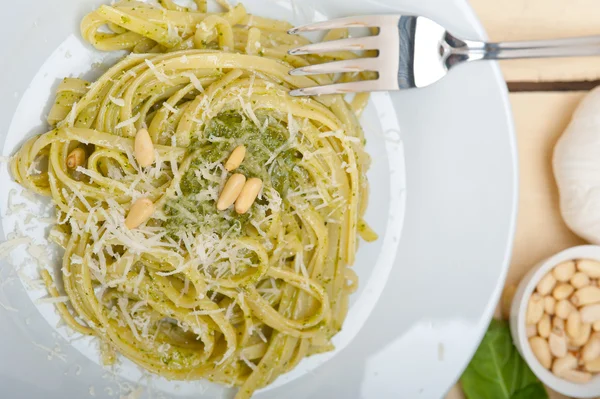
(555, 321)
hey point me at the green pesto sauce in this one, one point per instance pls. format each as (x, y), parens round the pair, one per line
(262, 145)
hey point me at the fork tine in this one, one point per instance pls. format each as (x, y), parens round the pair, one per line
(340, 88)
(352, 65)
(367, 21)
(352, 44)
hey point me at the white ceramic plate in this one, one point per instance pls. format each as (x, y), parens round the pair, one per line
(444, 175)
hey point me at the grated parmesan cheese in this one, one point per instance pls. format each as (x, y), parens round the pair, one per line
(261, 335)
(52, 300)
(300, 267)
(70, 119)
(8, 307)
(195, 81)
(138, 306)
(119, 102)
(159, 74)
(128, 122)
(30, 283)
(251, 85)
(339, 134)
(122, 302)
(171, 108)
(13, 208)
(8, 246)
(229, 311)
(247, 108)
(52, 353)
(34, 168)
(138, 282)
(248, 362)
(206, 312)
(76, 259)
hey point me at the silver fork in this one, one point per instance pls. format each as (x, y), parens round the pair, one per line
(414, 51)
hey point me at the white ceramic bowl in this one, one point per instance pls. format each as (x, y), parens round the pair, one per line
(517, 322)
(459, 191)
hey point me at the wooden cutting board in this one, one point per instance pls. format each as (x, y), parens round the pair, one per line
(542, 19)
(540, 116)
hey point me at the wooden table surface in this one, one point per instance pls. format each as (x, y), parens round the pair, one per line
(540, 116)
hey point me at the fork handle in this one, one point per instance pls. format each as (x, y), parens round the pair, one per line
(469, 50)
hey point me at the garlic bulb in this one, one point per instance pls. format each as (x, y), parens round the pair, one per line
(577, 169)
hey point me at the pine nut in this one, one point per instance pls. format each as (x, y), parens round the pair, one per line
(593, 366)
(549, 305)
(576, 376)
(573, 324)
(541, 350)
(560, 366)
(580, 280)
(531, 330)
(546, 284)
(143, 148)
(585, 331)
(591, 350)
(564, 271)
(564, 308)
(544, 326)
(590, 313)
(76, 158)
(596, 326)
(535, 309)
(562, 291)
(236, 158)
(140, 212)
(586, 296)
(231, 191)
(558, 343)
(589, 267)
(249, 194)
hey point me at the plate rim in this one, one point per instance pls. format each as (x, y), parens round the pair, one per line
(494, 298)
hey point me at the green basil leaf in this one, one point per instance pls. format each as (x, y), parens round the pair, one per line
(497, 371)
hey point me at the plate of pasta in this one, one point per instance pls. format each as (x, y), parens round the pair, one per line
(176, 224)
